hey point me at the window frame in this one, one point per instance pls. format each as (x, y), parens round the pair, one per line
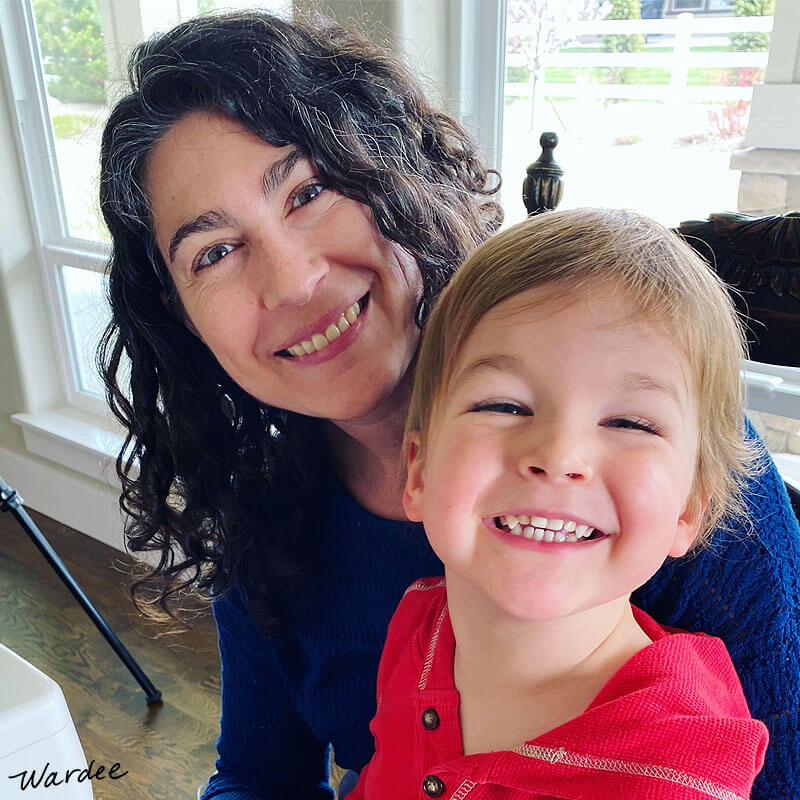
(36, 147)
(480, 74)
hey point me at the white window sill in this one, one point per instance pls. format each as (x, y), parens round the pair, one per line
(789, 467)
(83, 442)
(773, 389)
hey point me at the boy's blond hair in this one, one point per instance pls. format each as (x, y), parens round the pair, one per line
(589, 251)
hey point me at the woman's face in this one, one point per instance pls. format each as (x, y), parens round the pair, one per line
(288, 283)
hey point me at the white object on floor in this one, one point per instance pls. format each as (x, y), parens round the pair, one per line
(37, 737)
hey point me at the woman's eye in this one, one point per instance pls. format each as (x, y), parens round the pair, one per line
(633, 423)
(213, 254)
(502, 407)
(305, 194)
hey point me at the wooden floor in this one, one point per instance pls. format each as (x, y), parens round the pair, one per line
(167, 750)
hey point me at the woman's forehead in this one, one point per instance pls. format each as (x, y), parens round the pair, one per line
(205, 166)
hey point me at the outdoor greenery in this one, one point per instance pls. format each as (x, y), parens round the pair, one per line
(623, 43)
(68, 126)
(752, 8)
(73, 52)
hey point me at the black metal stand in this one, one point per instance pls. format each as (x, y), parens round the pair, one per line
(11, 501)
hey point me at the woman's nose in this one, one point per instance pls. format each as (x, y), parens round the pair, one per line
(557, 454)
(288, 276)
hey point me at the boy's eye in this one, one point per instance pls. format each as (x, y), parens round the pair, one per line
(305, 194)
(213, 255)
(502, 407)
(633, 423)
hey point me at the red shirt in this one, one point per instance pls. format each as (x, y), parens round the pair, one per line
(671, 724)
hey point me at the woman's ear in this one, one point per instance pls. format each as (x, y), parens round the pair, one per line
(689, 525)
(412, 494)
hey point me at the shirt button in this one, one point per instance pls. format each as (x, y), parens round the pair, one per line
(430, 719)
(433, 786)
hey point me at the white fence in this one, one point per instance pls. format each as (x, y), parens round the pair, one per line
(680, 31)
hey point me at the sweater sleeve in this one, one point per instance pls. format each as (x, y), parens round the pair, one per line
(745, 589)
(266, 751)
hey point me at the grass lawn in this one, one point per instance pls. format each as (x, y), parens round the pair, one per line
(68, 126)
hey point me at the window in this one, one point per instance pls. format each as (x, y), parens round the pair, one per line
(640, 107)
(648, 113)
(66, 62)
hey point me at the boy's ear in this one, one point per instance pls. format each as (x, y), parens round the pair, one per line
(412, 494)
(689, 524)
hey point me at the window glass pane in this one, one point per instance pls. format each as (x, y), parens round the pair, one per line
(75, 74)
(79, 48)
(88, 313)
(645, 120)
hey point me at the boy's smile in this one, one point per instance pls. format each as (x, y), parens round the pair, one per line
(558, 471)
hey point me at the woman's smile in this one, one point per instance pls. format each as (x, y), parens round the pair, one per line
(339, 327)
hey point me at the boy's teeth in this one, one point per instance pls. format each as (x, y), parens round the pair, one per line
(320, 341)
(542, 529)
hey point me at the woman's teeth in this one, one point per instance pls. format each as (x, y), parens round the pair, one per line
(541, 529)
(319, 341)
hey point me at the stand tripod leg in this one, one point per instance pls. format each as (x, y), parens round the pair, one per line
(10, 501)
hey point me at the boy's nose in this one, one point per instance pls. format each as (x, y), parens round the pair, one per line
(558, 456)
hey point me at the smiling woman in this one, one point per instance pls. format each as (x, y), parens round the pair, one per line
(285, 207)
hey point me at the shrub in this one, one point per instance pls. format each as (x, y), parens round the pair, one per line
(624, 43)
(73, 52)
(752, 8)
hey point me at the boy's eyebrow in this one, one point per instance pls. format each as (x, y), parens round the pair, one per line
(639, 382)
(271, 180)
(501, 362)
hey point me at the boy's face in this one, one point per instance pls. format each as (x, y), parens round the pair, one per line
(574, 413)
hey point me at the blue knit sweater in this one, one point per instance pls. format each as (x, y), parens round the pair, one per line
(285, 698)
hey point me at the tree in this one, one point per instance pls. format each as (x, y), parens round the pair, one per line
(752, 8)
(73, 52)
(624, 43)
(537, 28)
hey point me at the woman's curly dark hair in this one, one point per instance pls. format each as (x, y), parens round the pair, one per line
(212, 479)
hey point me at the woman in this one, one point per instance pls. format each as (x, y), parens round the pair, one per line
(284, 207)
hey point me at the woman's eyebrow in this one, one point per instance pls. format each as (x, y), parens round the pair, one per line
(271, 180)
(207, 221)
(278, 172)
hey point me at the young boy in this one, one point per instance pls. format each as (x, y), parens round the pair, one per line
(576, 419)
